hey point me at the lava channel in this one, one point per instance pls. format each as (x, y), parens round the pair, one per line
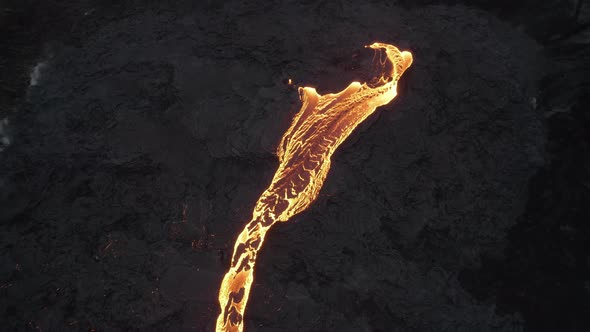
(304, 152)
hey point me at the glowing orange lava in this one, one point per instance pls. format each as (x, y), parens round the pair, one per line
(321, 125)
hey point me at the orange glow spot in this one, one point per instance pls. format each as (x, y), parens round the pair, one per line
(322, 124)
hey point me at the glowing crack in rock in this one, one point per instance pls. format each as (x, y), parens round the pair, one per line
(321, 125)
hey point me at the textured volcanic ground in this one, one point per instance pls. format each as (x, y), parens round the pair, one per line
(135, 138)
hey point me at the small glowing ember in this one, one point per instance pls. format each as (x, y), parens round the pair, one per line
(321, 125)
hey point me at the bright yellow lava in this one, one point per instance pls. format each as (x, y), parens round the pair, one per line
(321, 125)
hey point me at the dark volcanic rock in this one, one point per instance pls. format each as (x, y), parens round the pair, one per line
(146, 140)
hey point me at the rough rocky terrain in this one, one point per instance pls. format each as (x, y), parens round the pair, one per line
(140, 135)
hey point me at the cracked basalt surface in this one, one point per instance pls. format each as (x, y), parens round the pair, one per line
(137, 157)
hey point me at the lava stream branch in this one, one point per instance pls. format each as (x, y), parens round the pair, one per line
(322, 124)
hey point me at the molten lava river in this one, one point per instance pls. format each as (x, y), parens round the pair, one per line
(317, 130)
